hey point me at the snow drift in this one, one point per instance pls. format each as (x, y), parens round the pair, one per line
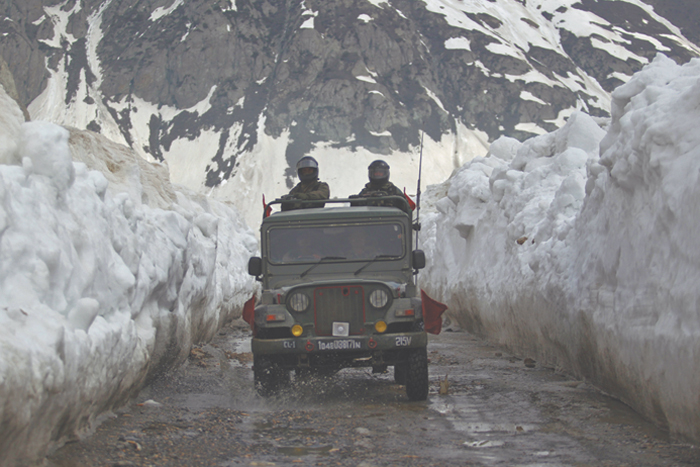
(108, 274)
(581, 246)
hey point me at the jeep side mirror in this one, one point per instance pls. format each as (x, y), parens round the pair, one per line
(255, 266)
(418, 259)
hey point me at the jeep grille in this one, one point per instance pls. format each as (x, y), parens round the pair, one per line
(343, 303)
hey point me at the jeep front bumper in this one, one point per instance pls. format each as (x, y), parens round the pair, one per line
(364, 344)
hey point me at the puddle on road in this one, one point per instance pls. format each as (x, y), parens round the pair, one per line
(477, 432)
(481, 427)
(284, 430)
(410, 406)
(484, 444)
(241, 344)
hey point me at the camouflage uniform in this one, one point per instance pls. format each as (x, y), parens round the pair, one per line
(306, 191)
(386, 188)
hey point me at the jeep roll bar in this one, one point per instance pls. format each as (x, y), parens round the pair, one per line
(396, 201)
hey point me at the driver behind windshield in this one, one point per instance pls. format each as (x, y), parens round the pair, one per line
(304, 250)
(361, 246)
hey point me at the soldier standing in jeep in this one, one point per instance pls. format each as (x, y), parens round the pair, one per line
(378, 185)
(309, 187)
(378, 172)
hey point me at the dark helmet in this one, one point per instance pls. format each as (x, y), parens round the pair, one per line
(307, 162)
(378, 171)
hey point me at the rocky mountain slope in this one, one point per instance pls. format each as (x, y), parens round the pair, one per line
(231, 93)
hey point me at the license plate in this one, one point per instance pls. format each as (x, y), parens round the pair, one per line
(340, 344)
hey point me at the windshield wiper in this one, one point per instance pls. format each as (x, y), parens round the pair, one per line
(372, 261)
(319, 262)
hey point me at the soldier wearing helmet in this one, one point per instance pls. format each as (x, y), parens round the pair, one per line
(379, 184)
(309, 187)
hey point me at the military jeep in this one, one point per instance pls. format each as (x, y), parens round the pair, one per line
(338, 292)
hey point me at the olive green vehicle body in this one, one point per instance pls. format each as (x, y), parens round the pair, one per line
(338, 300)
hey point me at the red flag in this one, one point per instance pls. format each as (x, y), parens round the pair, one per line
(410, 201)
(432, 313)
(249, 313)
(267, 210)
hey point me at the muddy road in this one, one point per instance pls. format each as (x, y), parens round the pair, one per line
(485, 408)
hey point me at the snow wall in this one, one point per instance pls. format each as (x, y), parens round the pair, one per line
(582, 247)
(108, 274)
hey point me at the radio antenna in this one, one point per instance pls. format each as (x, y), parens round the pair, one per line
(416, 225)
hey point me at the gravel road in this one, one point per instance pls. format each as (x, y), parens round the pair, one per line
(486, 408)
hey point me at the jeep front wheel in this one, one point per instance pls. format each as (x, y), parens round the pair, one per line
(269, 377)
(417, 375)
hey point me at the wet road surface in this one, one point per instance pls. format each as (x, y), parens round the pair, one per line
(485, 408)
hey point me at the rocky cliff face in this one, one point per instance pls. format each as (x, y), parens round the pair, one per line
(7, 81)
(360, 75)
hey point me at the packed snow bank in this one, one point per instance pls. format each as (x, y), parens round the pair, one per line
(106, 277)
(592, 264)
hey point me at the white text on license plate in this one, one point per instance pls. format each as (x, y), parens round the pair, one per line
(344, 344)
(403, 341)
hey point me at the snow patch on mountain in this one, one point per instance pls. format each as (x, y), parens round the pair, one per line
(60, 17)
(457, 43)
(159, 12)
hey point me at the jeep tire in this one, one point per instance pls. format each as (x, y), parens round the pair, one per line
(269, 377)
(417, 375)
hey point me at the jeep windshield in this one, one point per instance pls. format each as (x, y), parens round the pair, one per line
(335, 243)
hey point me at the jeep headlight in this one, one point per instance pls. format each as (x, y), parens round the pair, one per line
(299, 302)
(378, 298)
